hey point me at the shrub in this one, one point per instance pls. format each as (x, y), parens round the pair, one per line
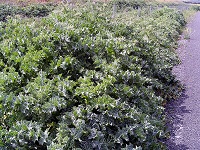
(130, 3)
(77, 80)
(35, 10)
(6, 10)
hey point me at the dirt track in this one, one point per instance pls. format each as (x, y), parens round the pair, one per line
(185, 112)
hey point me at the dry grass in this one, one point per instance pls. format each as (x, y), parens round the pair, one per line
(45, 1)
(26, 1)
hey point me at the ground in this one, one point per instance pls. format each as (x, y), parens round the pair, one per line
(184, 113)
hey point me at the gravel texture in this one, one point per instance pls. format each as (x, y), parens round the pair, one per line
(184, 113)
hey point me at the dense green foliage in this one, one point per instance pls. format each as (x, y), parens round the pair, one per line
(130, 3)
(76, 79)
(36, 10)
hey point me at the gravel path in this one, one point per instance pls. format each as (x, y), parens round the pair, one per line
(185, 112)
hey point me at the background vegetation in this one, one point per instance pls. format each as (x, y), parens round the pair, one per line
(87, 77)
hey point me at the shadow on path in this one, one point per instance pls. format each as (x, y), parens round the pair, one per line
(175, 111)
